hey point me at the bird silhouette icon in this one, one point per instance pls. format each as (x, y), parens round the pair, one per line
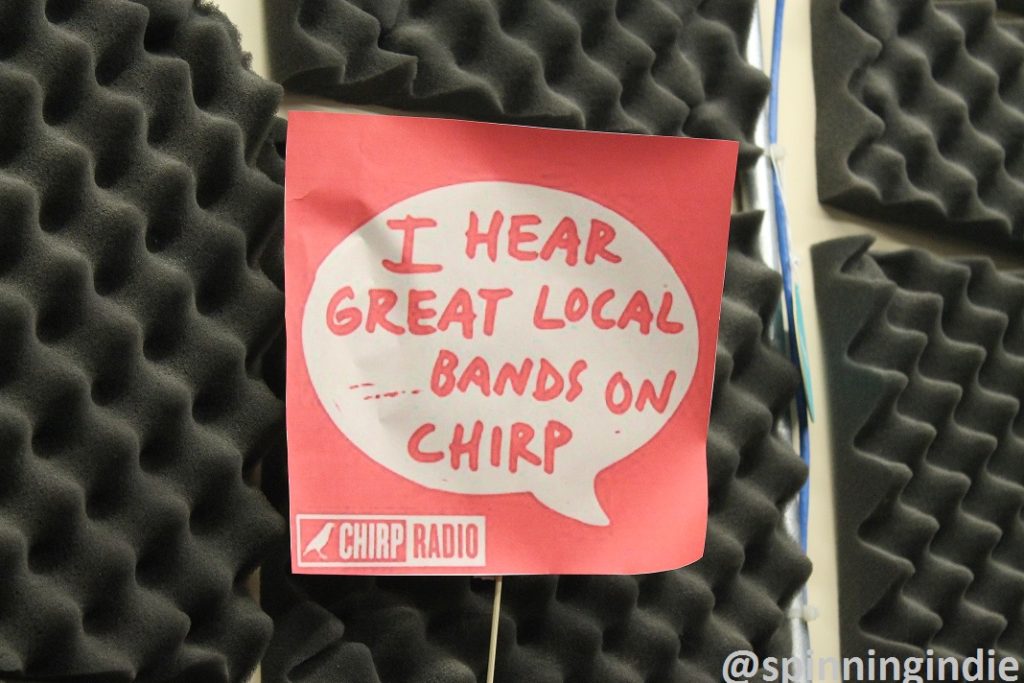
(319, 542)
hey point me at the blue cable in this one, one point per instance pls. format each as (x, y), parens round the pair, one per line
(773, 95)
(782, 229)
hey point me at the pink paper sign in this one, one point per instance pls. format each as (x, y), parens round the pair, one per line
(501, 345)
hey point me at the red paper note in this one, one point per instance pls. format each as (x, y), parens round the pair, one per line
(501, 345)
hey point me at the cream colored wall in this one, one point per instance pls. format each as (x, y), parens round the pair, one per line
(809, 223)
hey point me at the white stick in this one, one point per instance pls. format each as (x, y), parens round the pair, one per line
(492, 652)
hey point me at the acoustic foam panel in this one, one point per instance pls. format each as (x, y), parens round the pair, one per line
(672, 626)
(135, 313)
(925, 360)
(669, 67)
(920, 111)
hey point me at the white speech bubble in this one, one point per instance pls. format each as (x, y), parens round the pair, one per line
(376, 386)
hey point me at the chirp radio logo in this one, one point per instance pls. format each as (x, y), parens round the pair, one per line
(390, 541)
